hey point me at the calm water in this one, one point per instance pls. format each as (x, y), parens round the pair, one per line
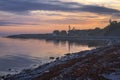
(18, 54)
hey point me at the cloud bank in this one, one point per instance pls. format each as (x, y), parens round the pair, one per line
(19, 10)
(19, 6)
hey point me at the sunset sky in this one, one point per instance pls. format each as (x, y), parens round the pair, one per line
(44, 16)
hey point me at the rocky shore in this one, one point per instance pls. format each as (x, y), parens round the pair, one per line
(98, 64)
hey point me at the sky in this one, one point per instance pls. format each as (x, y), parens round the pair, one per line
(44, 16)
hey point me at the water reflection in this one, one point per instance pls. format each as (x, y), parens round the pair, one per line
(74, 44)
(17, 54)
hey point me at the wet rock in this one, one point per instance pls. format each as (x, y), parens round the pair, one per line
(52, 57)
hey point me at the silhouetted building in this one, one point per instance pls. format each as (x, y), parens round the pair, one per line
(78, 33)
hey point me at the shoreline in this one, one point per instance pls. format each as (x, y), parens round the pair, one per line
(110, 40)
(63, 66)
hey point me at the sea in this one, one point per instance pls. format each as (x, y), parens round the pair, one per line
(20, 54)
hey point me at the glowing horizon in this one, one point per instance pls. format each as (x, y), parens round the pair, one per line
(43, 17)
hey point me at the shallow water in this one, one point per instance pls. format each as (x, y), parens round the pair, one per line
(18, 54)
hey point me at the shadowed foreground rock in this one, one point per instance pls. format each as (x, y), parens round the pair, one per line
(97, 64)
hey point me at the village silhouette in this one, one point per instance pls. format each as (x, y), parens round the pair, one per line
(113, 29)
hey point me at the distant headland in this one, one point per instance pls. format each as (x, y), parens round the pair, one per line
(112, 29)
(110, 32)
